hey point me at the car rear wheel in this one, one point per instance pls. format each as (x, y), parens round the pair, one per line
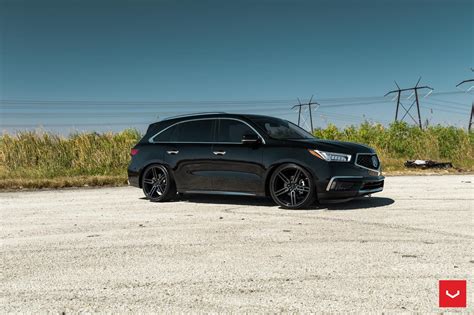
(157, 183)
(292, 187)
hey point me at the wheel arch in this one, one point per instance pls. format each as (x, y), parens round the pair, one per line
(148, 164)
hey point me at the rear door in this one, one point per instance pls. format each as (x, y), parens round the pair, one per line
(188, 152)
(237, 167)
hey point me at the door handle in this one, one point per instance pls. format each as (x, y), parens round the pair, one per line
(219, 152)
(172, 152)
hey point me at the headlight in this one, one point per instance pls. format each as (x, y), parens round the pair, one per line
(331, 156)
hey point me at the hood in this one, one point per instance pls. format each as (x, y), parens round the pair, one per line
(335, 146)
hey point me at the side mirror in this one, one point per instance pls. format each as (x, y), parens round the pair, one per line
(250, 139)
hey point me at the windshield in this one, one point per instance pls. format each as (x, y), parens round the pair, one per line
(281, 129)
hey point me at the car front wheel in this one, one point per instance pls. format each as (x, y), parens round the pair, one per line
(292, 187)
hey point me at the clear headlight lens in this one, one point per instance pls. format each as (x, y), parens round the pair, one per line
(331, 156)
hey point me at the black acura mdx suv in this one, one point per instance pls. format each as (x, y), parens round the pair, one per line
(253, 155)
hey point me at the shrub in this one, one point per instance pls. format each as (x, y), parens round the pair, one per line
(41, 155)
(45, 155)
(400, 142)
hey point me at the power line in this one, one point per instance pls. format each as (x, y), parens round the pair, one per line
(74, 125)
(448, 109)
(442, 110)
(336, 117)
(361, 118)
(449, 102)
(173, 103)
(15, 107)
(340, 100)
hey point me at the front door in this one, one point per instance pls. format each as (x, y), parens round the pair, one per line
(237, 167)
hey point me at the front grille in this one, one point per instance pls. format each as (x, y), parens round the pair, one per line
(368, 161)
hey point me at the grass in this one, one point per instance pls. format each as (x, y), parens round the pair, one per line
(44, 160)
(41, 160)
(62, 182)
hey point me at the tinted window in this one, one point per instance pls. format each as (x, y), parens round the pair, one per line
(232, 131)
(166, 135)
(281, 129)
(194, 131)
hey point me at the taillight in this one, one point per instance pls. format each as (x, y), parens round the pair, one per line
(133, 152)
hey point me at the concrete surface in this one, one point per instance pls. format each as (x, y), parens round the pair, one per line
(108, 249)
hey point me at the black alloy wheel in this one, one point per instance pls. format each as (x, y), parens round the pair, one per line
(157, 183)
(291, 187)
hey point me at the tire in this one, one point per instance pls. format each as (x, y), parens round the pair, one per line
(292, 187)
(158, 184)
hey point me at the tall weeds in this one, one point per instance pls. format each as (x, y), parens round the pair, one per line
(401, 142)
(45, 156)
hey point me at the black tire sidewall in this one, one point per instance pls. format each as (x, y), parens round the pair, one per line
(312, 193)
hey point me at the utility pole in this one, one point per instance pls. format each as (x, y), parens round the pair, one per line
(300, 105)
(470, 119)
(415, 90)
(472, 108)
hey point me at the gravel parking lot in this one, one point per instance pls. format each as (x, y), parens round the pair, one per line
(108, 249)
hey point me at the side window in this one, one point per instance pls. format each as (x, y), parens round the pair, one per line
(167, 135)
(194, 131)
(232, 131)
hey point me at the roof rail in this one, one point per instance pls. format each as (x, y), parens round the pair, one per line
(193, 114)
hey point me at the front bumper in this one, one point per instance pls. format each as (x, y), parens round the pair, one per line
(346, 187)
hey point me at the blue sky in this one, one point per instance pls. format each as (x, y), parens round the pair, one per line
(139, 54)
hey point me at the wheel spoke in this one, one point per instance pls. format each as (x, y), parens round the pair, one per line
(152, 191)
(297, 174)
(155, 174)
(302, 188)
(148, 181)
(159, 189)
(281, 191)
(293, 197)
(161, 178)
(283, 178)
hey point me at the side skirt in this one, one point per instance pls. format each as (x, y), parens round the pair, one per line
(214, 192)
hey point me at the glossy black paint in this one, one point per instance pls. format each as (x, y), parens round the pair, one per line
(245, 167)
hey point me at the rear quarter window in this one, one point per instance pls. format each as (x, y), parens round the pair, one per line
(188, 131)
(166, 135)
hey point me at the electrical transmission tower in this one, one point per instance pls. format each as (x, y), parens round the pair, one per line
(470, 119)
(414, 90)
(310, 110)
(472, 108)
